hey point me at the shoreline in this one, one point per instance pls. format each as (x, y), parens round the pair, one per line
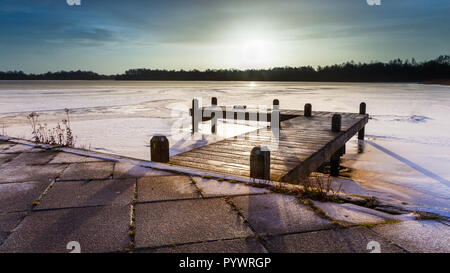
(444, 82)
(437, 82)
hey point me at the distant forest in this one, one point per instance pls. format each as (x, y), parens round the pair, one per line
(393, 71)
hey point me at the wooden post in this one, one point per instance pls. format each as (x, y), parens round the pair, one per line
(195, 117)
(240, 111)
(159, 149)
(260, 163)
(334, 163)
(342, 150)
(362, 108)
(360, 147)
(213, 121)
(276, 104)
(336, 123)
(308, 110)
(361, 133)
(275, 117)
(336, 157)
(362, 111)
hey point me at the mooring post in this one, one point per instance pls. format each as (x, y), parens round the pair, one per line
(342, 150)
(336, 123)
(334, 164)
(195, 116)
(336, 157)
(276, 104)
(159, 149)
(213, 120)
(362, 111)
(275, 117)
(240, 112)
(260, 163)
(308, 110)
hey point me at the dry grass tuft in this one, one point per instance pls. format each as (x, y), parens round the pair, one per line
(421, 215)
(320, 188)
(60, 135)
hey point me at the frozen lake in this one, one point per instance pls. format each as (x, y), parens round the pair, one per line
(406, 155)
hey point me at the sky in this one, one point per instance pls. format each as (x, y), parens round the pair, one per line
(111, 36)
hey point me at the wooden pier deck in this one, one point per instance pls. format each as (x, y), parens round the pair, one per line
(304, 143)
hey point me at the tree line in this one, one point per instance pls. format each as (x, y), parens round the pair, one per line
(393, 71)
(60, 75)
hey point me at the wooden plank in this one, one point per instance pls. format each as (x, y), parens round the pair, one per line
(239, 158)
(274, 153)
(225, 168)
(236, 162)
(246, 155)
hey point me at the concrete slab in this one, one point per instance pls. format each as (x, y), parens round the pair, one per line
(348, 240)
(352, 214)
(92, 193)
(177, 222)
(277, 213)
(36, 158)
(63, 158)
(3, 236)
(159, 188)
(87, 171)
(19, 148)
(20, 196)
(5, 146)
(127, 170)
(244, 245)
(8, 221)
(97, 229)
(418, 236)
(14, 174)
(5, 158)
(212, 187)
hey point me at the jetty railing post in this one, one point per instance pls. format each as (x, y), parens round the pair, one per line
(335, 159)
(159, 149)
(240, 112)
(195, 115)
(362, 111)
(308, 110)
(260, 163)
(276, 104)
(213, 120)
(275, 117)
(336, 123)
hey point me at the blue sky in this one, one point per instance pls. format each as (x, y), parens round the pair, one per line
(111, 36)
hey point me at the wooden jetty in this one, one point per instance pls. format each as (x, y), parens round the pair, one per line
(305, 140)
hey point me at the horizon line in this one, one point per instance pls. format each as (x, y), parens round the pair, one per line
(411, 61)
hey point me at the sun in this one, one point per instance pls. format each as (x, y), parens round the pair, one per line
(254, 52)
